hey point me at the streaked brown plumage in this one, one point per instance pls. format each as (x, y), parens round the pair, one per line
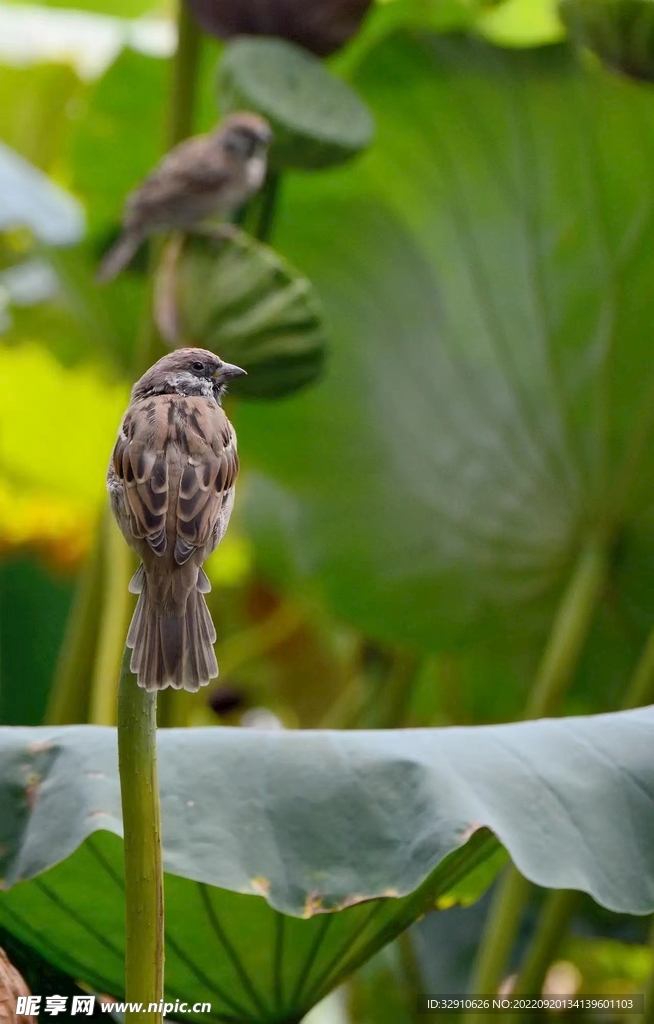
(202, 177)
(171, 482)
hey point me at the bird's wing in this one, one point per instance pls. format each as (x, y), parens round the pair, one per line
(195, 166)
(140, 462)
(199, 438)
(207, 478)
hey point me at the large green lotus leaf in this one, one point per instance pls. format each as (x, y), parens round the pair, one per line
(373, 824)
(484, 271)
(249, 961)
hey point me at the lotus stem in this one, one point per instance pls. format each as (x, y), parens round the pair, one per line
(499, 935)
(553, 922)
(68, 701)
(268, 208)
(184, 82)
(569, 632)
(648, 1016)
(144, 910)
(640, 691)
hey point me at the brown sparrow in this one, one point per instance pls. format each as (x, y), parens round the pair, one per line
(203, 176)
(171, 483)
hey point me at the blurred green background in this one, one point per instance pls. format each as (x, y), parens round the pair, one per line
(450, 393)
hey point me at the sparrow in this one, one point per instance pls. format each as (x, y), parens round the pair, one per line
(201, 177)
(171, 484)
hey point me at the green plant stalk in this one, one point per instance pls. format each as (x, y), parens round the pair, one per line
(569, 632)
(68, 699)
(398, 690)
(648, 1015)
(410, 973)
(559, 661)
(268, 207)
(499, 935)
(553, 921)
(184, 82)
(640, 691)
(144, 911)
(116, 608)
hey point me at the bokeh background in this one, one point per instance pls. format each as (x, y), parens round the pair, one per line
(452, 397)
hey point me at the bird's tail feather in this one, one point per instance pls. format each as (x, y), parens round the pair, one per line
(117, 258)
(171, 650)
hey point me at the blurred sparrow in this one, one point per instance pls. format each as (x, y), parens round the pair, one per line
(203, 176)
(171, 483)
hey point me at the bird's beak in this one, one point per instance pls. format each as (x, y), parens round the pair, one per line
(228, 371)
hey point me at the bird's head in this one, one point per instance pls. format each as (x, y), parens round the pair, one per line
(187, 371)
(245, 135)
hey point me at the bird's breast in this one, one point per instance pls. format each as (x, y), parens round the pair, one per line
(255, 172)
(188, 429)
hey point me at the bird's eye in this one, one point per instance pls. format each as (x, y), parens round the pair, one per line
(199, 367)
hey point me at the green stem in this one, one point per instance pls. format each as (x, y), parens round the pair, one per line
(648, 1016)
(184, 82)
(499, 935)
(569, 632)
(559, 661)
(554, 918)
(144, 914)
(268, 208)
(68, 700)
(347, 710)
(116, 607)
(397, 691)
(640, 691)
(451, 689)
(411, 976)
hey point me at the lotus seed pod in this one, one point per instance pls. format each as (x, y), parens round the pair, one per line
(316, 118)
(321, 26)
